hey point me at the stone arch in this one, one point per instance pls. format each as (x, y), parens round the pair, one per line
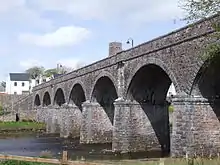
(77, 95)
(73, 83)
(105, 92)
(103, 74)
(37, 101)
(207, 79)
(147, 92)
(206, 83)
(46, 99)
(156, 62)
(59, 97)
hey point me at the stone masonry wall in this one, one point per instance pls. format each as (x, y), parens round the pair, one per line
(96, 125)
(196, 128)
(65, 120)
(140, 127)
(6, 99)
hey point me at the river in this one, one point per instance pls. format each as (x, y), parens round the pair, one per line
(33, 145)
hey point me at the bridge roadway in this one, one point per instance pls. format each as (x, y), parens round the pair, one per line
(122, 99)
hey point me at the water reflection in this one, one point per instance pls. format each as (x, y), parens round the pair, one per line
(33, 145)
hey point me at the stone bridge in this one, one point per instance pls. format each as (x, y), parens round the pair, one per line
(122, 98)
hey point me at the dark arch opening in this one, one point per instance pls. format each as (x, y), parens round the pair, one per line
(46, 99)
(59, 98)
(77, 96)
(105, 94)
(149, 88)
(37, 100)
(207, 83)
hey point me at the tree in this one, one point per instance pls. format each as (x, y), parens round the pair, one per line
(50, 72)
(200, 9)
(35, 71)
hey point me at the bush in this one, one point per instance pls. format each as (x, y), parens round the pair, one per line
(27, 120)
(1, 108)
(170, 109)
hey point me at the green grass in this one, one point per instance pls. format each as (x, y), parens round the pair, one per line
(21, 125)
(14, 162)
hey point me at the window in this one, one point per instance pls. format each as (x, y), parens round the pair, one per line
(44, 80)
(37, 81)
(23, 84)
(15, 84)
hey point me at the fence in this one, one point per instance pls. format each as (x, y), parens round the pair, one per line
(63, 161)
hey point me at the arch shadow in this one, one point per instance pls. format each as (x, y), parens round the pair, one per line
(46, 99)
(207, 84)
(59, 98)
(105, 93)
(37, 101)
(77, 95)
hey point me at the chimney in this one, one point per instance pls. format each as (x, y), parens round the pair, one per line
(114, 48)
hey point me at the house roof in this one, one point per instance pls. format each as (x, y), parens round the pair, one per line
(19, 76)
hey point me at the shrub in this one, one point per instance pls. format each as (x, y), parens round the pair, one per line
(170, 109)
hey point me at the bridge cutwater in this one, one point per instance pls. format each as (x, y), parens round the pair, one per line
(122, 99)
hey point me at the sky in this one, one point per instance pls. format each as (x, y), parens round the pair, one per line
(73, 32)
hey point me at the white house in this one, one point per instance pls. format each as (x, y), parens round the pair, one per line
(18, 83)
(39, 80)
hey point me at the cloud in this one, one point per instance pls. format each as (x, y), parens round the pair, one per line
(71, 63)
(11, 4)
(130, 10)
(64, 36)
(26, 64)
(17, 13)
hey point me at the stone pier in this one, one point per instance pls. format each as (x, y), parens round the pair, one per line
(96, 126)
(196, 127)
(70, 124)
(140, 127)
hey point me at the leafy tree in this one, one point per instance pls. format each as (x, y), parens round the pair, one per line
(50, 72)
(200, 9)
(35, 71)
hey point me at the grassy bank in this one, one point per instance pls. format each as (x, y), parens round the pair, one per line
(13, 162)
(19, 126)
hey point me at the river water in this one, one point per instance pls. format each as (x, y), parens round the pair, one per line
(33, 145)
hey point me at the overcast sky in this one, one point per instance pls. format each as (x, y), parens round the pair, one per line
(45, 32)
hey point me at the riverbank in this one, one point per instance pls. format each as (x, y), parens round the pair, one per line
(168, 161)
(23, 126)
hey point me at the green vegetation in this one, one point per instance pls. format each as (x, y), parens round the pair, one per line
(21, 125)
(2, 112)
(14, 162)
(170, 109)
(201, 9)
